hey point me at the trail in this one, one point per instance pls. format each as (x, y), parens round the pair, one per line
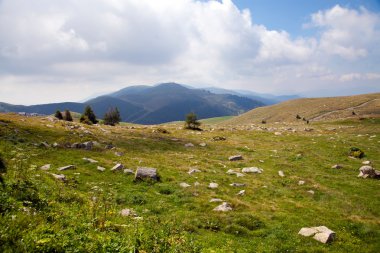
(348, 108)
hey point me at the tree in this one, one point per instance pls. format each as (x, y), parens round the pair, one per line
(67, 116)
(89, 113)
(192, 122)
(112, 116)
(58, 115)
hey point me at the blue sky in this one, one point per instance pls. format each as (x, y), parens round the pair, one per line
(67, 50)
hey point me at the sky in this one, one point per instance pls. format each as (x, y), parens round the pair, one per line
(68, 50)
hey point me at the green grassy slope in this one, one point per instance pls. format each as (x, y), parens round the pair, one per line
(41, 214)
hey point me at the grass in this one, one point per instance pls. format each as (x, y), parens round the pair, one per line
(40, 214)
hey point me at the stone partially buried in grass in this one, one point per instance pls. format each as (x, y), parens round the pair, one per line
(321, 233)
(367, 171)
(224, 207)
(117, 167)
(68, 167)
(143, 173)
(235, 158)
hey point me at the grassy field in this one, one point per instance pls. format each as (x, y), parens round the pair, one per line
(41, 214)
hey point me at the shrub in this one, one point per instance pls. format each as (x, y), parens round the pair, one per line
(263, 121)
(112, 116)
(298, 117)
(67, 116)
(58, 115)
(356, 152)
(89, 113)
(85, 120)
(192, 122)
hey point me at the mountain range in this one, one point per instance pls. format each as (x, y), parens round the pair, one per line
(161, 103)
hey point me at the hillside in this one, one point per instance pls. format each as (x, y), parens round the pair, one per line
(313, 109)
(152, 104)
(90, 208)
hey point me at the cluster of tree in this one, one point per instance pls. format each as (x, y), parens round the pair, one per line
(65, 116)
(111, 117)
(191, 122)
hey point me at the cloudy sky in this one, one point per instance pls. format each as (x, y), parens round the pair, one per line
(68, 50)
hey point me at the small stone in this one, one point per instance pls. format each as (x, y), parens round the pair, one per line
(101, 168)
(119, 154)
(281, 173)
(215, 200)
(252, 170)
(241, 193)
(238, 174)
(89, 160)
(337, 166)
(192, 171)
(231, 172)
(213, 185)
(128, 212)
(59, 176)
(118, 166)
(368, 171)
(224, 207)
(189, 145)
(301, 182)
(109, 146)
(277, 133)
(68, 167)
(146, 173)
(44, 144)
(55, 145)
(202, 144)
(235, 158)
(366, 162)
(45, 167)
(184, 185)
(237, 184)
(311, 192)
(128, 171)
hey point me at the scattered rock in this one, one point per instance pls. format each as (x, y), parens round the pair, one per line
(45, 167)
(44, 144)
(281, 173)
(118, 166)
(101, 168)
(252, 170)
(128, 171)
(277, 133)
(366, 162)
(119, 154)
(109, 146)
(68, 167)
(301, 182)
(192, 171)
(368, 171)
(321, 234)
(189, 145)
(241, 193)
(337, 166)
(89, 160)
(146, 173)
(184, 185)
(213, 185)
(59, 176)
(128, 212)
(238, 174)
(88, 145)
(237, 184)
(235, 158)
(56, 145)
(231, 172)
(77, 145)
(215, 200)
(224, 207)
(311, 192)
(202, 144)
(218, 138)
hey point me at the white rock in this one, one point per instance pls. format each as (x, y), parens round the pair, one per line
(202, 144)
(277, 133)
(231, 172)
(224, 207)
(281, 173)
(118, 166)
(301, 182)
(192, 171)
(101, 168)
(241, 193)
(235, 158)
(189, 145)
(216, 200)
(184, 185)
(146, 173)
(213, 185)
(307, 232)
(238, 174)
(337, 166)
(59, 176)
(321, 233)
(45, 167)
(311, 192)
(68, 167)
(368, 171)
(128, 171)
(89, 160)
(366, 162)
(252, 170)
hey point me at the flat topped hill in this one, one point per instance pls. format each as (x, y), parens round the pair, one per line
(313, 109)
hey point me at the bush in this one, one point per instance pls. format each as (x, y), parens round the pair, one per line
(89, 116)
(85, 120)
(67, 116)
(298, 117)
(192, 122)
(112, 116)
(356, 152)
(58, 115)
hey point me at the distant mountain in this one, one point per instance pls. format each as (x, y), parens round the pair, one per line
(153, 104)
(267, 99)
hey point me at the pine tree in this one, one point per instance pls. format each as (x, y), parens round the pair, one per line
(89, 113)
(192, 122)
(112, 116)
(58, 115)
(67, 116)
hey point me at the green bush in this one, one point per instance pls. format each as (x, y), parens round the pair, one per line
(356, 152)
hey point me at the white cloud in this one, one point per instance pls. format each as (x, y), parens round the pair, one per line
(115, 43)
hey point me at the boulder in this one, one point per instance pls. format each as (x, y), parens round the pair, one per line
(224, 207)
(321, 233)
(117, 167)
(368, 171)
(252, 170)
(146, 173)
(45, 167)
(77, 145)
(88, 145)
(235, 158)
(213, 185)
(68, 167)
